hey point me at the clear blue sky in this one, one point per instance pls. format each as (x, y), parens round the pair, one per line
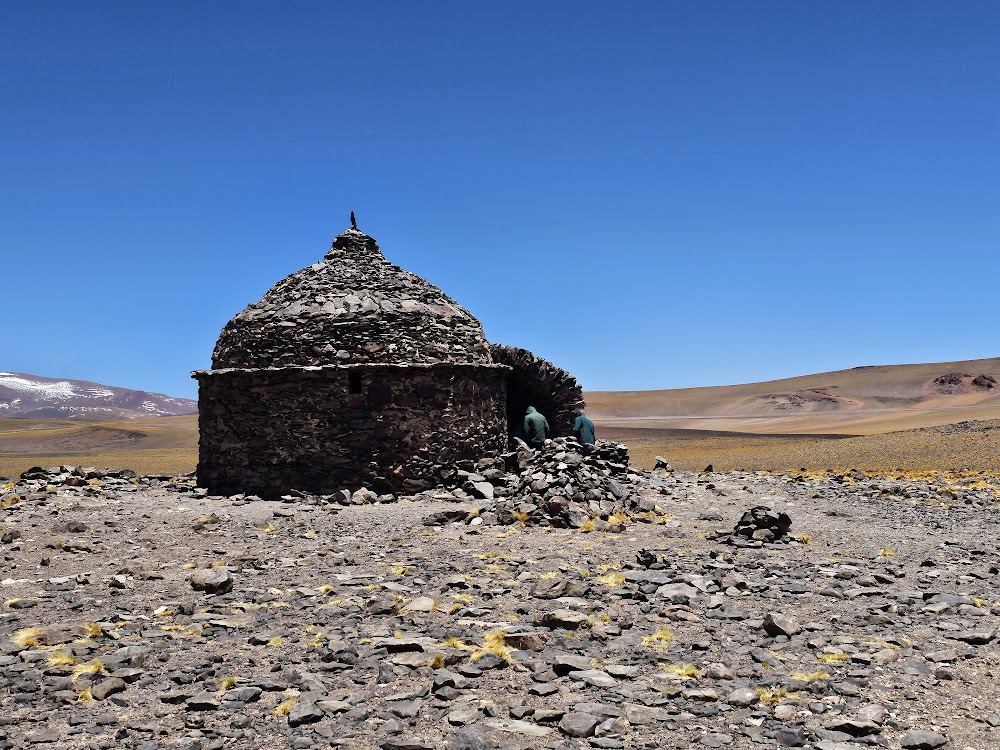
(649, 194)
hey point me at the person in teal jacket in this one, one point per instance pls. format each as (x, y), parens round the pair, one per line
(536, 427)
(583, 428)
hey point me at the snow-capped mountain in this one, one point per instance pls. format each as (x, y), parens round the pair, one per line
(32, 396)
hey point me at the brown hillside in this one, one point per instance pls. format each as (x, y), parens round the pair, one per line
(863, 400)
(151, 445)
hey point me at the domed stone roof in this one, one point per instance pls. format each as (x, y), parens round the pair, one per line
(352, 307)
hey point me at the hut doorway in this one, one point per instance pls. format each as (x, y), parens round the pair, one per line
(535, 382)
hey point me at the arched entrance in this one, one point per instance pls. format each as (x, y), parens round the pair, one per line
(536, 382)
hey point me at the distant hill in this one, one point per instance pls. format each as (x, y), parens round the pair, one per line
(862, 400)
(24, 396)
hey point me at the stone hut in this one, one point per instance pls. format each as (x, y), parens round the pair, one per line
(353, 372)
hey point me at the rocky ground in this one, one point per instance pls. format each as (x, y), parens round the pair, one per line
(555, 601)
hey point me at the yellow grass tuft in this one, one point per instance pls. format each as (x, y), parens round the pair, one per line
(402, 570)
(283, 709)
(832, 658)
(521, 516)
(274, 642)
(85, 695)
(493, 643)
(658, 640)
(683, 671)
(812, 676)
(27, 637)
(886, 552)
(62, 659)
(89, 667)
(437, 662)
(611, 579)
(587, 526)
(767, 695)
(618, 519)
(454, 642)
(268, 529)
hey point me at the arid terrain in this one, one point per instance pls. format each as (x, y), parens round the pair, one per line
(142, 613)
(150, 445)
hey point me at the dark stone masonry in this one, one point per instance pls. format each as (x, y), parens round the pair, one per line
(353, 372)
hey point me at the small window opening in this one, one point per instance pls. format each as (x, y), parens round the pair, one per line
(354, 382)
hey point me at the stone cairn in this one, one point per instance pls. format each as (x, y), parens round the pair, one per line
(761, 525)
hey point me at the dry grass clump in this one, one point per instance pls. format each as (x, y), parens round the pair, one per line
(682, 671)
(828, 658)
(95, 666)
(494, 643)
(767, 695)
(28, 637)
(659, 640)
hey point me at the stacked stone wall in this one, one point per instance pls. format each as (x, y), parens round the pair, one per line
(396, 428)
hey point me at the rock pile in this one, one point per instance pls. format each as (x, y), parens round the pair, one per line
(561, 485)
(761, 525)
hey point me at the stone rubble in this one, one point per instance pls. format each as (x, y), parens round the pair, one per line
(761, 525)
(336, 624)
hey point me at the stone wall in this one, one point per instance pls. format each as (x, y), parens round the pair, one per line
(319, 429)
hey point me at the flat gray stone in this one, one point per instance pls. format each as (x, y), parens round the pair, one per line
(922, 740)
(743, 697)
(577, 724)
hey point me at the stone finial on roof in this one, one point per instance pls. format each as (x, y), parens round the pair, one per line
(354, 224)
